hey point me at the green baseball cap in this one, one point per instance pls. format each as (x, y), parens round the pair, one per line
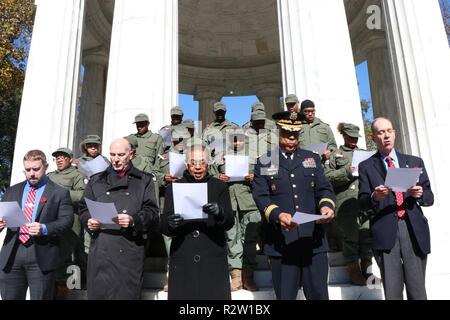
(92, 138)
(219, 106)
(291, 98)
(351, 130)
(66, 151)
(258, 115)
(141, 117)
(176, 111)
(258, 106)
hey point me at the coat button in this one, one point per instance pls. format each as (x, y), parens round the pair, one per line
(292, 175)
(296, 207)
(127, 193)
(108, 193)
(196, 234)
(295, 196)
(294, 186)
(197, 258)
(124, 211)
(121, 251)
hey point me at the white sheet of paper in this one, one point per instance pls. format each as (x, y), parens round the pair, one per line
(11, 212)
(102, 211)
(89, 168)
(177, 164)
(189, 198)
(358, 157)
(166, 135)
(236, 167)
(300, 217)
(401, 179)
(320, 148)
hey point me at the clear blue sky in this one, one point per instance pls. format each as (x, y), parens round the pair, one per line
(239, 107)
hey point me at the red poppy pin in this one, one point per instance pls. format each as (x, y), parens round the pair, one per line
(43, 200)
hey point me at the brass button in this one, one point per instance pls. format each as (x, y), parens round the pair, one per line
(197, 258)
(108, 193)
(294, 186)
(196, 234)
(292, 175)
(124, 211)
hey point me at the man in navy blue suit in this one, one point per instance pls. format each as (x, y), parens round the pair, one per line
(401, 236)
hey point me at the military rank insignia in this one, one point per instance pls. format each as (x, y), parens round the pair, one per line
(309, 163)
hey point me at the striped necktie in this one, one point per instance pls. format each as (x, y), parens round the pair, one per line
(24, 236)
(398, 195)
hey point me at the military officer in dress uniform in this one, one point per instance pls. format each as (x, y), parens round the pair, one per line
(297, 254)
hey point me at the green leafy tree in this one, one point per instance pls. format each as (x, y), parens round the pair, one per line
(16, 25)
(365, 109)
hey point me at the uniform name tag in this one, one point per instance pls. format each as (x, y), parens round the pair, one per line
(309, 163)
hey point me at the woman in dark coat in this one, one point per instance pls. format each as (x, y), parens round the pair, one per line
(198, 267)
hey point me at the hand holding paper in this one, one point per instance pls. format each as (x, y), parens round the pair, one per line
(402, 179)
(11, 213)
(103, 212)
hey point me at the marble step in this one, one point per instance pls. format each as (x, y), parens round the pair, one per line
(336, 292)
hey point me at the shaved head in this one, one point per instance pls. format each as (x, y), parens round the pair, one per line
(120, 153)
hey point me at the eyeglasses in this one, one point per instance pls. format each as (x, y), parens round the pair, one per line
(197, 162)
(61, 157)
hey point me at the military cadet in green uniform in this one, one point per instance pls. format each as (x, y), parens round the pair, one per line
(315, 131)
(68, 177)
(292, 103)
(243, 236)
(266, 123)
(150, 145)
(217, 129)
(176, 117)
(353, 223)
(90, 148)
(190, 125)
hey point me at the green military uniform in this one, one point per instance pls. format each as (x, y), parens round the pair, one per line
(74, 181)
(216, 130)
(353, 223)
(317, 132)
(150, 146)
(244, 235)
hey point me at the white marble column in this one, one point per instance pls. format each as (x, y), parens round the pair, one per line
(47, 112)
(143, 66)
(382, 90)
(92, 103)
(421, 59)
(206, 97)
(269, 94)
(317, 59)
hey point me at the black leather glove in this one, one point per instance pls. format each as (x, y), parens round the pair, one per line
(213, 209)
(174, 220)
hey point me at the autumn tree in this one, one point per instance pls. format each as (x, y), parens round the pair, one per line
(16, 25)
